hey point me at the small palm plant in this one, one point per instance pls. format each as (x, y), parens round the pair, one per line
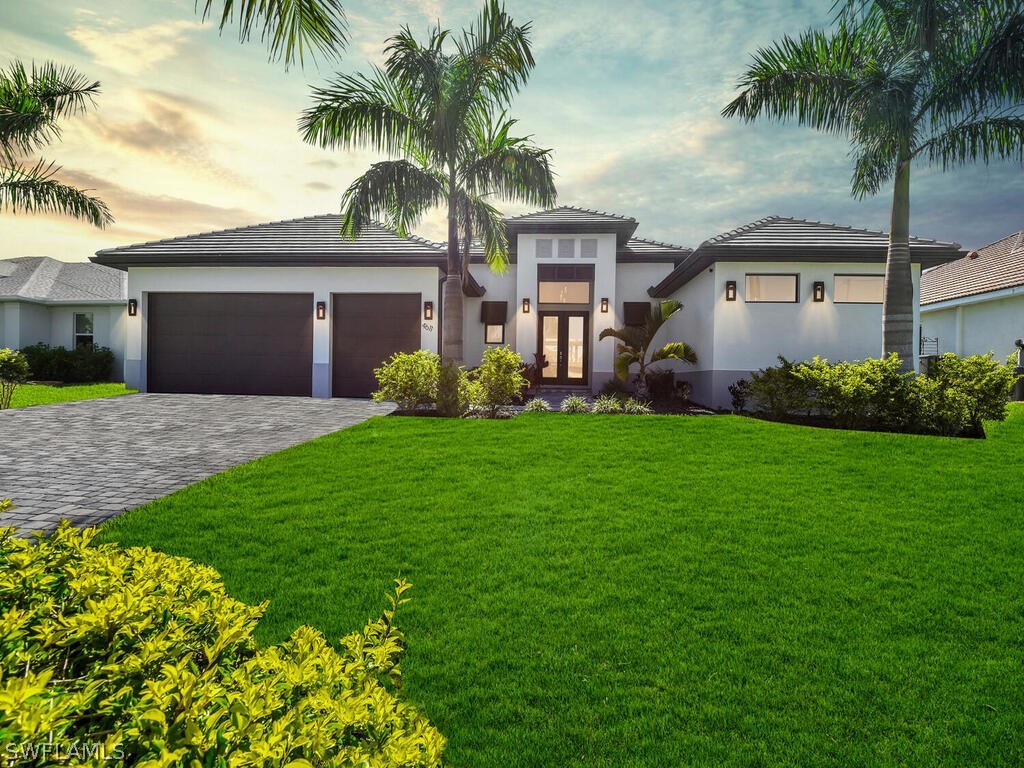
(635, 341)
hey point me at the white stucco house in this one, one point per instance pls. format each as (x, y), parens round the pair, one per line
(291, 308)
(975, 304)
(63, 304)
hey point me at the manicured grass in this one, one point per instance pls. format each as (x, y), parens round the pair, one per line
(650, 591)
(41, 394)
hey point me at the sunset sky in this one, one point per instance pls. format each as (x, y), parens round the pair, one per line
(193, 131)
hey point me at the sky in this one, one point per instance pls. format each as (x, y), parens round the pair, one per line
(194, 131)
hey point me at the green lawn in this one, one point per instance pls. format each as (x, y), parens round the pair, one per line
(650, 591)
(42, 394)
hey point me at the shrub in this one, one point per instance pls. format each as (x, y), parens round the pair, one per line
(574, 404)
(777, 392)
(739, 391)
(537, 405)
(143, 658)
(13, 371)
(409, 379)
(453, 390)
(6, 505)
(84, 363)
(498, 381)
(961, 392)
(617, 388)
(606, 404)
(635, 407)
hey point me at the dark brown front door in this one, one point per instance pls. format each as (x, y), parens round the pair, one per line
(565, 343)
(368, 329)
(230, 343)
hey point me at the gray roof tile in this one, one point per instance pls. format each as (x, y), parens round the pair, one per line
(996, 266)
(46, 280)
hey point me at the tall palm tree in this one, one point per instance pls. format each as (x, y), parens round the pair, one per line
(441, 112)
(31, 104)
(940, 81)
(635, 341)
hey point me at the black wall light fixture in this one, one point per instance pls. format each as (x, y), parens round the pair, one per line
(730, 290)
(604, 305)
(321, 310)
(819, 291)
(526, 306)
(133, 307)
(428, 310)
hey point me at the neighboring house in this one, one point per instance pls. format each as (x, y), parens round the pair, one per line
(62, 304)
(291, 308)
(975, 304)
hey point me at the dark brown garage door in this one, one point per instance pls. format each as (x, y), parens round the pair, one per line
(230, 343)
(368, 329)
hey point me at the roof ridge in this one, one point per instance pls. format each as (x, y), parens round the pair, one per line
(40, 281)
(733, 233)
(571, 208)
(739, 230)
(660, 242)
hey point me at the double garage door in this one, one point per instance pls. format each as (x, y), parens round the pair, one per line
(262, 343)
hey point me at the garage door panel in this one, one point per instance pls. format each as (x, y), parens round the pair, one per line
(230, 343)
(368, 329)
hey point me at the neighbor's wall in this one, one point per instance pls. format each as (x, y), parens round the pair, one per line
(500, 287)
(977, 324)
(34, 324)
(319, 281)
(108, 329)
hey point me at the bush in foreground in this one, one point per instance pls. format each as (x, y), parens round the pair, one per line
(85, 363)
(498, 381)
(13, 371)
(409, 379)
(134, 657)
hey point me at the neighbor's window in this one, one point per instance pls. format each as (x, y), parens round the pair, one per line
(566, 248)
(588, 248)
(564, 292)
(83, 329)
(494, 334)
(858, 289)
(544, 248)
(771, 288)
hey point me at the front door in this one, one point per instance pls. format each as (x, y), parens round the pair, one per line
(564, 344)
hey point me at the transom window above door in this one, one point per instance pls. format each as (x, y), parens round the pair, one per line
(565, 284)
(567, 248)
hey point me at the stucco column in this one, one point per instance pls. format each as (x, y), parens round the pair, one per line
(322, 347)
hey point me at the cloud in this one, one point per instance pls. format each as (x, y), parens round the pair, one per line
(319, 186)
(131, 51)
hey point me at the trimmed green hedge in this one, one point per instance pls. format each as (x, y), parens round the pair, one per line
(86, 363)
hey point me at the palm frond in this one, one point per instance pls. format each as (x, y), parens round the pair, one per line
(497, 57)
(624, 358)
(396, 192)
(421, 69)
(292, 29)
(510, 167)
(487, 223)
(985, 139)
(676, 350)
(33, 100)
(35, 190)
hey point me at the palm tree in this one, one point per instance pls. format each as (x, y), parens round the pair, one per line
(939, 81)
(636, 340)
(441, 113)
(31, 104)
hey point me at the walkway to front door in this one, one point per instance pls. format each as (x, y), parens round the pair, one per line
(564, 342)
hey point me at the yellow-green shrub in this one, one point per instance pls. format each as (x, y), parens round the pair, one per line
(134, 657)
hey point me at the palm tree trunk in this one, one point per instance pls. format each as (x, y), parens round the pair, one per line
(898, 304)
(451, 344)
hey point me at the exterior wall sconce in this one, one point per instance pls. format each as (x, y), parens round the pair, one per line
(730, 290)
(819, 291)
(604, 305)
(321, 310)
(526, 306)
(428, 310)
(133, 307)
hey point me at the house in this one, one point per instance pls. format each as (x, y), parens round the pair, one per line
(975, 304)
(291, 308)
(63, 304)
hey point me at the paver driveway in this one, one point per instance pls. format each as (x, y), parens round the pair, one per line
(91, 460)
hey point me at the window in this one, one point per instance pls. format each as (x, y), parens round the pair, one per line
(771, 288)
(494, 315)
(564, 292)
(544, 249)
(83, 329)
(494, 334)
(566, 248)
(588, 248)
(635, 313)
(858, 289)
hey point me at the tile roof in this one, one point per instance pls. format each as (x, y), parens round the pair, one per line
(570, 213)
(996, 266)
(309, 241)
(780, 238)
(49, 281)
(638, 249)
(573, 219)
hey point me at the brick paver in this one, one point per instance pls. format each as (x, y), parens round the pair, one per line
(91, 460)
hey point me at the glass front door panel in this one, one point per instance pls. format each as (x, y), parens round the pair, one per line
(575, 342)
(549, 346)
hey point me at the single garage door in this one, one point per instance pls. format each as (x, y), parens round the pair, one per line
(368, 329)
(230, 343)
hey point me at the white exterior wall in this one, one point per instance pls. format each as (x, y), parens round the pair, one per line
(694, 324)
(975, 325)
(319, 281)
(499, 288)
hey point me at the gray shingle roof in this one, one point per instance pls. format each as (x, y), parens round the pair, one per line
(45, 280)
(996, 266)
(309, 241)
(780, 238)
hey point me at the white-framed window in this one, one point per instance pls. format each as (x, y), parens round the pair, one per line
(566, 248)
(83, 329)
(588, 248)
(563, 292)
(771, 289)
(858, 289)
(544, 248)
(494, 334)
